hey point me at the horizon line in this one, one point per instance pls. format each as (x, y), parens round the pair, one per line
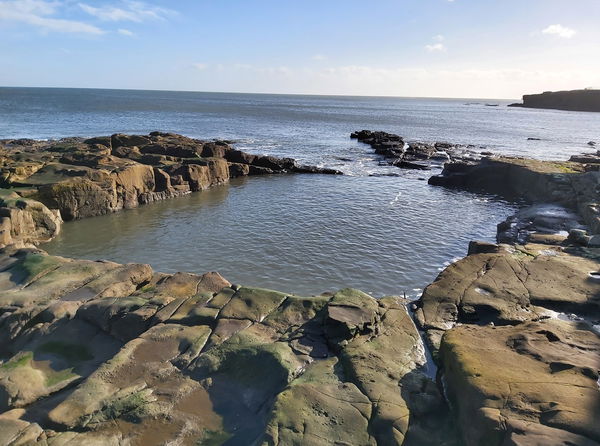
(264, 93)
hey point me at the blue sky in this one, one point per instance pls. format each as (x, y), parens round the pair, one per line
(443, 48)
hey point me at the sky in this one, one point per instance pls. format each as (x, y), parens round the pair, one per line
(418, 48)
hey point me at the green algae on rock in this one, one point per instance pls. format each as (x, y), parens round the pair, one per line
(117, 354)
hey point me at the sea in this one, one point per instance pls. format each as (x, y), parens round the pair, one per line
(377, 228)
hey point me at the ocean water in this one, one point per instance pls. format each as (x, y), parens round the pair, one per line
(303, 233)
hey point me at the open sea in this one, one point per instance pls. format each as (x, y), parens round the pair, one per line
(304, 234)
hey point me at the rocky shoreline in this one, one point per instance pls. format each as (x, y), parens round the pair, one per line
(78, 178)
(412, 155)
(99, 353)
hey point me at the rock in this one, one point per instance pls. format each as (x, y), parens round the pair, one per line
(591, 143)
(556, 404)
(409, 165)
(214, 150)
(112, 354)
(541, 223)
(568, 184)
(509, 287)
(24, 220)
(417, 151)
(237, 156)
(579, 237)
(574, 100)
(121, 140)
(102, 140)
(15, 432)
(275, 164)
(594, 241)
(83, 178)
(477, 247)
(585, 159)
(318, 408)
(314, 169)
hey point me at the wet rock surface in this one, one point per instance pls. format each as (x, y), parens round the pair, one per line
(415, 155)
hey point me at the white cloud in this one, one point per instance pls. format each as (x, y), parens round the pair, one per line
(319, 57)
(125, 32)
(129, 10)
(438, 38)
(560, 31)
(37, 13)
(435, 47)
(200, 66)
(399, 81)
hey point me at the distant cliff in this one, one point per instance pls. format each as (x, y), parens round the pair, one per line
(574, 100)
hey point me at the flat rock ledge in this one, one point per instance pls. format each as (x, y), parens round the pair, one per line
(515, 327)
(98, 353)
(44, 182)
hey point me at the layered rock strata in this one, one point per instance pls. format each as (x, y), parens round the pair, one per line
(83, 178)
(573, 100)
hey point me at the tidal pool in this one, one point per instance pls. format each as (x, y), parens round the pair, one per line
(304, 234)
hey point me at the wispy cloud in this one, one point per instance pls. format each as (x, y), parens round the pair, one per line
(319, 57)
(435, 47)
(200, 66)
(39, 13)
(560, 31)
(127, 11)
(125, 32)
(438, 45)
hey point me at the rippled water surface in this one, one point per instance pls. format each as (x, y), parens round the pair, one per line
(304, 233)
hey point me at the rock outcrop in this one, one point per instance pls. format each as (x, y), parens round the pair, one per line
(572, 184)
(23, 220)
(98, 353)
(573, 100)
(101, 353)
(514, 327)
(83, 178)
(414, 155)
(530, 384)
